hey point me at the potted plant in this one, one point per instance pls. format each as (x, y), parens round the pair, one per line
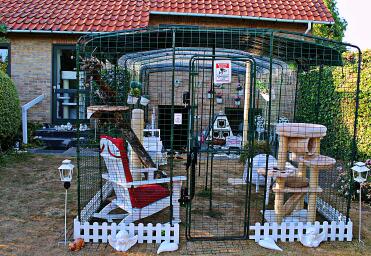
(264, 91)
(133, 96)
(219, 98)
(237, 100)
(210, 94)
(239, 89)
(144, 100)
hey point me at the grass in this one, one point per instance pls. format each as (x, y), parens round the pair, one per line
(12, 157)
(32, 212)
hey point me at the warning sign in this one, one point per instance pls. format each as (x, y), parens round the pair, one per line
(222, 71)
(178, 119)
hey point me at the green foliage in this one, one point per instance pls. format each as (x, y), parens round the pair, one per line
(335, 31)
(118, 79)
(3, 63)
(135, 92)
(263, 88)
(31, 129)
(10, 112)
(3, 30)
(260, 147)
(4, 66)
(335, 107)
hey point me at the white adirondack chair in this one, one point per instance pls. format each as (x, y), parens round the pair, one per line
(139, 199)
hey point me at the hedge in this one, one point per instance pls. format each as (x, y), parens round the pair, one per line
(10, 112)
(336, 104)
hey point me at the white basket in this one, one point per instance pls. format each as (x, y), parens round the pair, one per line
(144, 101)
(132, 100)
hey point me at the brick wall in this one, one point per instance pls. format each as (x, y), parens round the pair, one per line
(31, 56)
(219, 22)
(31, 70)
(158, 87)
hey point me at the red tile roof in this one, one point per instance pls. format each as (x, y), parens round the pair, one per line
(111, 15)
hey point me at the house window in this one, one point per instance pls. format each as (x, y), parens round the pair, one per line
(5, 58)
(68, 99)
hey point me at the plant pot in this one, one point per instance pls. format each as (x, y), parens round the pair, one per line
(237, 102)
(219, 100)
(132, 100)
(209, 95)
(144, 101)
(240, 92)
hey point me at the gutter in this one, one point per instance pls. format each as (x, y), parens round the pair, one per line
(309, 28)
(240, 17)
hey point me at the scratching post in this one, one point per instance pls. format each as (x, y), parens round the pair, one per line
(302, 173)
(246, 108)
(137, 125)
(279, 199)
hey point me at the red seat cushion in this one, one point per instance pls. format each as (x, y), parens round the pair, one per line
(146, 194)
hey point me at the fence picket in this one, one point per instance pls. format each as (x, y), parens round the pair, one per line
(176, 233)
(140, 233)
(86, 227)
(104, 232)
(349, 231)
(291, 231)
(333, 231)
(167, 232)
(275, 231)
(76, 229)
(283, 232)
(95, 232)
(341, 231)
(149, 233)
(325, 228)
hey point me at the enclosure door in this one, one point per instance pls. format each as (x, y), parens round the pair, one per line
(216, 209)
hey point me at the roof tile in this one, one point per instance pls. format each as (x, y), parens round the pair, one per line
(107, 15)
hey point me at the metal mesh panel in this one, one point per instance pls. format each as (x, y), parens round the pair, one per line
(241, 145)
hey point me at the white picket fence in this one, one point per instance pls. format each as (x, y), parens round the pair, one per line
(290, 231)
(98, 233)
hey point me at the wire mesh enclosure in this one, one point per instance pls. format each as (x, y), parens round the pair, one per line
(217, 128)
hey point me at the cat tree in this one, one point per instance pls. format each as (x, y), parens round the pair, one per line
(303, 141)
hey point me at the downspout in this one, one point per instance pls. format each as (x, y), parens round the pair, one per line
(309, 28)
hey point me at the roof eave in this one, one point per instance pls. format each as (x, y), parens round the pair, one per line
(241, 17)
(51, 32)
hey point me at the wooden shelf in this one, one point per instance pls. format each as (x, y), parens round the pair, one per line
(298, 190)
(301, 130)
(292, 171)
(321, 162)
(98, 110)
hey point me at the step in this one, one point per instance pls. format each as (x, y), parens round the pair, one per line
(298, 190)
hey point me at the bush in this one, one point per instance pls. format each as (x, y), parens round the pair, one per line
(10, 112)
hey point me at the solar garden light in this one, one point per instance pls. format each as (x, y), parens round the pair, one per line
(65, 172)
(360, 173)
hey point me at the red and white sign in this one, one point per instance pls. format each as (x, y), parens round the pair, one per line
(222, 71)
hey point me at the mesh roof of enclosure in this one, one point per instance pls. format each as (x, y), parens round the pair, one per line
(280, 45)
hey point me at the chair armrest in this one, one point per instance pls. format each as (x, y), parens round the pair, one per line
(141, 170)
(148, 182)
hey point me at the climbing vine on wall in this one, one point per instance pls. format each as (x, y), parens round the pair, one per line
(336, 105)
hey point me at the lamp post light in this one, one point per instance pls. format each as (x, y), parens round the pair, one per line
(66, 172)
(360, 174)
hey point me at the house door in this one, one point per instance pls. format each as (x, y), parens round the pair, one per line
(217, 207)
(68, 93)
